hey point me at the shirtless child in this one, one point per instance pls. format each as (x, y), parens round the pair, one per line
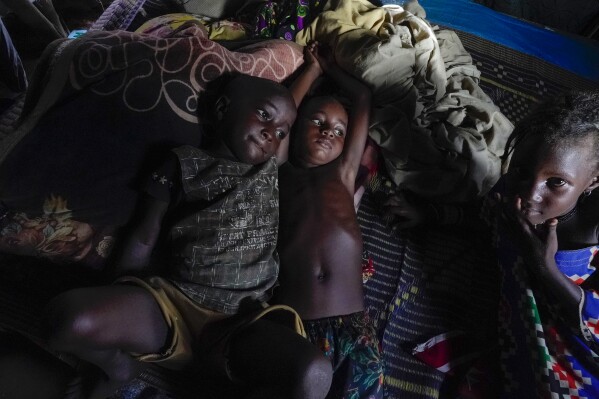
(320, 242)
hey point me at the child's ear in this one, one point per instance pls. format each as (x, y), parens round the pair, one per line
(220, 107)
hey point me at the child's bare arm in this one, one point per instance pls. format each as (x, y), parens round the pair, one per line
(312, 70)
(134, 255)
(359, 117)
(299, 88)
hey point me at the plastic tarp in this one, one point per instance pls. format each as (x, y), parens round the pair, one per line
(574, 53)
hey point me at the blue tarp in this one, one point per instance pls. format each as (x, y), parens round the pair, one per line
(571, 52)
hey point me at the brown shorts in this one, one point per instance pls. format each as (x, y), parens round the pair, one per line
(187, 321)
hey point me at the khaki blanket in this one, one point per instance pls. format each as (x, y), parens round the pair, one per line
(440, 135)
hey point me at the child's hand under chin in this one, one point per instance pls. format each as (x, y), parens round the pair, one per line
(538, 243)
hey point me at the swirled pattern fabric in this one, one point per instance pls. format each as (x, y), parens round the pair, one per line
(119, 99)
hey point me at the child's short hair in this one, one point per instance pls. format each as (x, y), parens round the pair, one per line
(226, 84)
(565, 120)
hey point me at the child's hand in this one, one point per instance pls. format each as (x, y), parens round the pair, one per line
(538, 244)
(310, 57)
(405, 214)
(323, 54)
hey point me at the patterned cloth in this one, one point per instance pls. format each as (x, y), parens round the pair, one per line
(541, 357)
(224, 233)
(350, 342)
(282, 19)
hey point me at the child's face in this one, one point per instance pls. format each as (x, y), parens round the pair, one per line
(550, 178)
(255, 122)
(320, 128)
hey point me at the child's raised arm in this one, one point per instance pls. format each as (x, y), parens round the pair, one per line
(359, 116)
(312, 70)
(299, 88)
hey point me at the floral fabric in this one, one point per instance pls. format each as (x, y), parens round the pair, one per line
(281, 19)
(351, 344)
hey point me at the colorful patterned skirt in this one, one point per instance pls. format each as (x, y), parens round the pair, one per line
(541, 357)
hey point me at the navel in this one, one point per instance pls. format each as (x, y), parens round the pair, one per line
(322, 276)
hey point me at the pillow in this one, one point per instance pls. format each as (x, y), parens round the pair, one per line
(111, 104)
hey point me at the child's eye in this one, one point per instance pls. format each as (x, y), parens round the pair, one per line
(263, 114)
(555, 182)
(338, 133)
(281, 134)
(317, 122)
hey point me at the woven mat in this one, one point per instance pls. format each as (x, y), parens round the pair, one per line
(516, 81)
(427, 282)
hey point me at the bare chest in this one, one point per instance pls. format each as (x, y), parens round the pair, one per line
(317, 219)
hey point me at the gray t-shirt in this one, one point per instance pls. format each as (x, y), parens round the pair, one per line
(224, 235)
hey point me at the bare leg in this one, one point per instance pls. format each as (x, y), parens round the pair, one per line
(102, 326)
(279, 362)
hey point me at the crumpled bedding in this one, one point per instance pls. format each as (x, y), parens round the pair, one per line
(440, 135)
